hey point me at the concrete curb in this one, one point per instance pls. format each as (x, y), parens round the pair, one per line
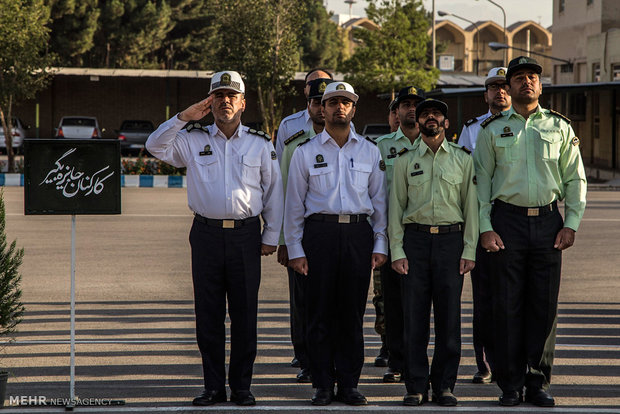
(147, 181)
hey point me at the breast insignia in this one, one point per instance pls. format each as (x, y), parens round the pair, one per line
(490, 119)
(295, 135)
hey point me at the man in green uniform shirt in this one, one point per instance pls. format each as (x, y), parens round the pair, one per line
(433, 231)
(527, 159)
(391, 147)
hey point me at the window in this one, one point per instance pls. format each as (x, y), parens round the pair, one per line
(615, 72)
(561, 5)
(577, 106)
(596, 72)
(566, 68)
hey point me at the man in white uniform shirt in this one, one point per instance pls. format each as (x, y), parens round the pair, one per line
(233, 177)
(497, 97)
(335, 184)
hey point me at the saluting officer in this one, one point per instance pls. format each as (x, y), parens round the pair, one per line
(497, 97)
(527, 159)
(233, 177)
(391, 147)
(295, 280)
(433, 229)
(335, 184)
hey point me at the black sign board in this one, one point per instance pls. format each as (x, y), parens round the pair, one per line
(72, 176)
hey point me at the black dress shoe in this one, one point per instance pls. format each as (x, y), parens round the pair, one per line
(510, 398)
(210, 397)
(445, 398)
(243, 397)
(392, 375)
(482, 377)
(539, 397)
(304, 376)
(295, 363)
(413, 399)
(382, 359)
(323, 396)
(351, 396)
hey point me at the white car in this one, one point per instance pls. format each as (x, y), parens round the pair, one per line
(79, 127)
(19, 133)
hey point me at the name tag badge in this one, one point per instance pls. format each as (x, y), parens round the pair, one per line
(321, 165)
(413, 174)
(509, 134)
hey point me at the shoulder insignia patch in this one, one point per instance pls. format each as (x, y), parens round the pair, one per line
(466, 150)
(306, 141)
(259, 133)
(559, 115)
(575, 141)
(371, 140)
(295, 135)
(490, 119)
(382, 165)
(471, 121)
(402, 151)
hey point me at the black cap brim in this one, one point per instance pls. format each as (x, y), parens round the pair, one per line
(431, 103)
(511, 71)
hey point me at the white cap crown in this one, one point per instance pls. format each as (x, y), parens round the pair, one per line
(496, 74)
(228, 79)
(339, 89)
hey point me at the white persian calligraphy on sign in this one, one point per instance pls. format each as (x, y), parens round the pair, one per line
(71, 182)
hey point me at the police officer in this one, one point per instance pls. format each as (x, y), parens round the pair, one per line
(232, 178)
(498, 100)
(295, 280)
(391, 147)
(433, 229)
(335, 185)
(299, 121)
(527, 159)
(393, 120)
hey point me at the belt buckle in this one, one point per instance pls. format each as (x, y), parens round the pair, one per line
(434, 229)
(344, 218)
(533, 212)
(228, 224)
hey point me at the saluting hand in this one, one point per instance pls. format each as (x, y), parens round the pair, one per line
(197, 111)
(491, 241)
(564, 239)
(466, 266)
(266, 250)
(401, 266)
(300, 265)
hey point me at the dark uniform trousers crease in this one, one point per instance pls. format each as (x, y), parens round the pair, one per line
(226, 267)
(339, 269)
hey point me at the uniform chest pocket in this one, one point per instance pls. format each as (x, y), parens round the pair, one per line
(418, 178)
(207, 168)
(250, 169)
(359, 175)
(549, 145)
(452, 184)
(322, 179)
(505, 149)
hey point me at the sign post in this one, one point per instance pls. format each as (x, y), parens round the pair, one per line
(67, 176)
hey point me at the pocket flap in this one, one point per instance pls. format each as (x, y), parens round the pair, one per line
(251, 161)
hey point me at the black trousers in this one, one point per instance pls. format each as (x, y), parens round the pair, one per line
(526, 285)
(433, 278)
(298, 324)
(482, 293)
(393, 314)
(226, 266)
(338, 278)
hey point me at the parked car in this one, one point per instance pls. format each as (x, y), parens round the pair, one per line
(83, 127)
(133, 135)
(19, 133)
(374, 131)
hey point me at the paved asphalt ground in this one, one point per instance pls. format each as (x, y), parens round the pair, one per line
(135, 322)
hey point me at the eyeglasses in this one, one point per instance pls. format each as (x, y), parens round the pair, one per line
(497, 86)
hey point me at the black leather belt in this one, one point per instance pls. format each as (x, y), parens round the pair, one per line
(225, 224)
(425, 228)
(527, 211)
(338, 218)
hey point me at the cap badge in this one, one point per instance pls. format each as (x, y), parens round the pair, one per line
(322, 87)
(501, 72)
(341, 87)
(523, 60)
(319, 158)
(225, 80)
(413, 91)
(506, 129)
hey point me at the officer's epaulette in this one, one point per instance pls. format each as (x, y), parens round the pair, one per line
(559, 115)
(259, 133)
(490, 119)
(471, 121)
(402, 151)
(371, 140)
(302, 143)
(295, 135)
(195, 126)
(466, 150)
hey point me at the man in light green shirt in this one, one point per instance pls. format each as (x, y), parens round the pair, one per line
(391, 147)
(527, 159)
(433, 231)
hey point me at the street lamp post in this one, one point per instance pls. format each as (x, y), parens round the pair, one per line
(504, 13)
(498, 46)
(443, 13)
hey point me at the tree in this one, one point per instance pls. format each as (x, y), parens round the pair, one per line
(24, 60)
(321, 43)
(394, 56)
(259, 38)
